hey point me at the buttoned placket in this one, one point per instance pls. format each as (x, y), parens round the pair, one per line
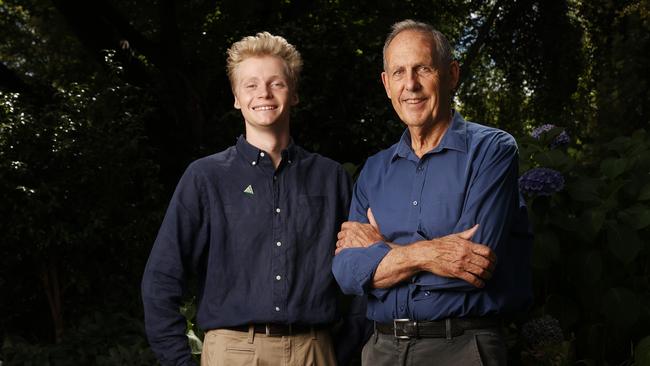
(415, 204)
(279, 265)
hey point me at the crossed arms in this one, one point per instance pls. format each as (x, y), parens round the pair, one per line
(452, 256)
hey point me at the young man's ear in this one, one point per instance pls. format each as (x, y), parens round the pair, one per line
(237, 105)
(294, 99)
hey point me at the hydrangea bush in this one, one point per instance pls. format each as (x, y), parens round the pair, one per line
(589, 204)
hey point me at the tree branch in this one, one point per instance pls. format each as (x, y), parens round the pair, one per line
(474, 50)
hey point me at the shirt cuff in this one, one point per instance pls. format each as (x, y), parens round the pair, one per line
(430, 281)
(354, 268)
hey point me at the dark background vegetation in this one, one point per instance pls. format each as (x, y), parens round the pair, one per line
(103, 103)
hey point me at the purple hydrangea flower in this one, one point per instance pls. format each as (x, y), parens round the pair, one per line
(542, 331)
(560, 140)
(541, 182)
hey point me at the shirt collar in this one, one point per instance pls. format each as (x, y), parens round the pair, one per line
(253, 154)
(455, 138)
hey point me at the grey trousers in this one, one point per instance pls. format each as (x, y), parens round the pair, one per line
(474, 347)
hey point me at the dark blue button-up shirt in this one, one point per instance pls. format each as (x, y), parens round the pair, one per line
(260, 240)
(469, 178)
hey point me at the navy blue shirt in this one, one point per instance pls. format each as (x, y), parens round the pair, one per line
(260, 241)
(469, 178)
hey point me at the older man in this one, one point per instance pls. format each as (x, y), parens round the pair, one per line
(429, 217)
(256, 224)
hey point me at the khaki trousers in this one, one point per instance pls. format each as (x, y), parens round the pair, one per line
(223, 347)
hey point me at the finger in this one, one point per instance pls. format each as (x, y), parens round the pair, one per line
(467, 234)
(481, 262)
(472, 279)
(347, 225)
(478, 271)
(484, 251)
(340, 235)
(371, 219)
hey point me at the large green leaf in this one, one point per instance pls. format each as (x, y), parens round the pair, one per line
(642, 352)
(592, 221)
(623, 241)
(644, 193)
(585, 189)
(612, 167)
(621, 307)
(637, 216)
(553, 159)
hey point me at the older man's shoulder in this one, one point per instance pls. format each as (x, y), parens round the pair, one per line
(479, 134)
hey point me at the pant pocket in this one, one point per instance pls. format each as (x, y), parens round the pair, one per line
(491, 348)
(235, 356)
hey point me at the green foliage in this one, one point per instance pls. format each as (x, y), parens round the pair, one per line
(103, 103)
(101, 339)
(590, 260)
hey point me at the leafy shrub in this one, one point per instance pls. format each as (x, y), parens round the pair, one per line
(590, 262)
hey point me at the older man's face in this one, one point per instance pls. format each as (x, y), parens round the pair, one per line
(419, 89)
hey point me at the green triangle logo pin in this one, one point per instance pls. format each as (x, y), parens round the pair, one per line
(249, 190)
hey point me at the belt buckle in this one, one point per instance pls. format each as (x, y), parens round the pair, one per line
(398, 321)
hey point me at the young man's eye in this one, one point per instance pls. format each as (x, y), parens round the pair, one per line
(250, 86)
(278, 84)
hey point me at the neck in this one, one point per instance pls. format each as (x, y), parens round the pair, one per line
(272, 140)
(428, 137)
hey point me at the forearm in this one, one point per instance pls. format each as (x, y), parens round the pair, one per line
(401, 263)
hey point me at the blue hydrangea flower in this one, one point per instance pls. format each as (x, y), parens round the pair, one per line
(542, 331)
(560, 140)
(541, 182)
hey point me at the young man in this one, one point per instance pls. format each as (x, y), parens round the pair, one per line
(434, 293)
(257, 224)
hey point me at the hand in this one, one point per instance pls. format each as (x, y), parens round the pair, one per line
(455, 256)
(355, 234)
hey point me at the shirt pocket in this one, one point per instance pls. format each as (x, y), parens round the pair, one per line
(308, 216)
(246, 215)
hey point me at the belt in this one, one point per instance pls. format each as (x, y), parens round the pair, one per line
(448, 328)
(279, 330)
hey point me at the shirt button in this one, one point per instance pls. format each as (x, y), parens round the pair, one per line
(277, 308)
(278, 244)
(420, 169)
(253, 162)
(278, 277)
(275, 177)
(262, 154)
(277, 210)
(427, 293)
(415, 203)
(289, 161)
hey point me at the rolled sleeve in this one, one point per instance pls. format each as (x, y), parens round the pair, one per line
(354, 268)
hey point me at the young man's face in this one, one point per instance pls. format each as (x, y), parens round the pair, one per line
(418, 87)
(263, 92)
